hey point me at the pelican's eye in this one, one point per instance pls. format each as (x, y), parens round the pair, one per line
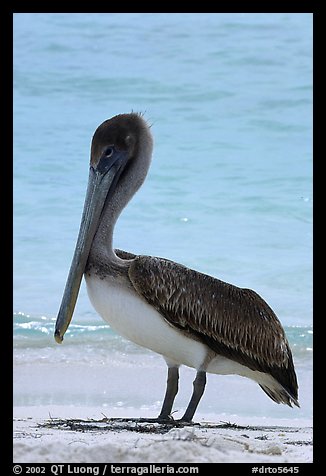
(109, 151)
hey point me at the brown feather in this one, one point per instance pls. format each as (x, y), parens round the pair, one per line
(234, 322)
(124, 254)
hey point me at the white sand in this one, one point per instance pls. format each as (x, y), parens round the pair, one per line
(262, 440)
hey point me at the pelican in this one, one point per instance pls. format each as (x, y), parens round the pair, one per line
(188, 317)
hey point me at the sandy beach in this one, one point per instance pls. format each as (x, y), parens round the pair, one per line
(85, 435)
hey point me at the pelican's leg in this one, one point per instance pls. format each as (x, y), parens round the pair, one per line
(171, 391)
(199, 387)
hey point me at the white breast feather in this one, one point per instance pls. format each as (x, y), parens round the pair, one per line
(133, 318)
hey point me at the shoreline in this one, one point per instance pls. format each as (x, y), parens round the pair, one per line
(60, 434)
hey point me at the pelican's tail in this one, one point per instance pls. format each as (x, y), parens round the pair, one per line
(280, 395)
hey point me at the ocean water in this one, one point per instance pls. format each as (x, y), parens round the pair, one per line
(229, 192)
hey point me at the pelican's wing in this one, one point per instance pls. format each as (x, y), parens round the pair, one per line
(234, 322)
(124, 254)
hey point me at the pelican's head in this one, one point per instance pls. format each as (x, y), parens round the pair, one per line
(120, 157)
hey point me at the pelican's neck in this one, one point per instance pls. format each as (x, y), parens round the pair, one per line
(102, 247)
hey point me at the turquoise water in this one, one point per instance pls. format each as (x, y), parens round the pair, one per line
(229, 192)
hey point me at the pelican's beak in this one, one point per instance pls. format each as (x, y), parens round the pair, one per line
(101, 184)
